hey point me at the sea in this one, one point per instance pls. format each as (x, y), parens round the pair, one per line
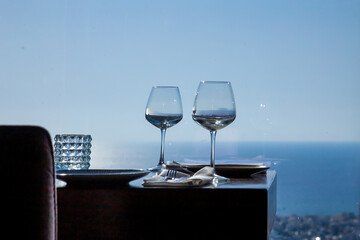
(313, 178)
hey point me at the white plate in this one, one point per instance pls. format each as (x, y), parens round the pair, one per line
(231, 170)
(100, 176)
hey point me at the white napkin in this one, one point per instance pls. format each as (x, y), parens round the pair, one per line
(202, 177)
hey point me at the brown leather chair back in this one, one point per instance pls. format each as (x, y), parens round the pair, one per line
(26, 161)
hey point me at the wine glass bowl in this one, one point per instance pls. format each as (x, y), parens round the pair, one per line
(163, 110)
(214, 108)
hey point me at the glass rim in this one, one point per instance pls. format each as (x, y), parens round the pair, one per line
(227, 82)
(165, 87)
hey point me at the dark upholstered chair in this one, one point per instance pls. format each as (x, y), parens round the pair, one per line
(28, 185)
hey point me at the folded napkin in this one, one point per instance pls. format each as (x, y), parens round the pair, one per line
(202, 177)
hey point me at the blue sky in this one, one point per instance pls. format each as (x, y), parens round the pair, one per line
(88, 66)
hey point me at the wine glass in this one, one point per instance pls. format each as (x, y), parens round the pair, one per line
(163, 110)
(214, 108)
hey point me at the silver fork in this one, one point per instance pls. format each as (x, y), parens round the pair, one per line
(171, 174)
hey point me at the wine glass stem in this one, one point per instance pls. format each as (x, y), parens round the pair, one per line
(161, 161)
(213, 135)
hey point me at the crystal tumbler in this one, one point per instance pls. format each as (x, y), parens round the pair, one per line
(72, 151)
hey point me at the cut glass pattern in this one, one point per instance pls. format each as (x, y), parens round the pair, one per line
(72, 151)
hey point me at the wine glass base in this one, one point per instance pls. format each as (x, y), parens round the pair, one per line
(219, 179)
